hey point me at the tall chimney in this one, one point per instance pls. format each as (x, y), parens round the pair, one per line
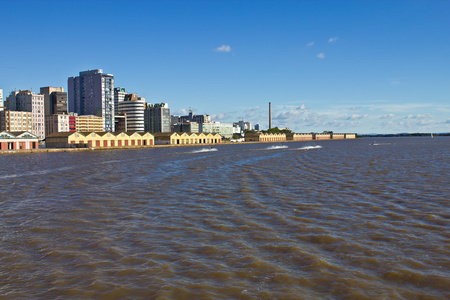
(270, 116)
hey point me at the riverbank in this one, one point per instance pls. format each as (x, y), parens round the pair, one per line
(47, 150)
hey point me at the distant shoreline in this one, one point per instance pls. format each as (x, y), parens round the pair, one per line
(403, 135)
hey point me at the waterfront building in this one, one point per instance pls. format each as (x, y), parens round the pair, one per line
(119, 96)
(157, 117)
(16, 121)
(257, 127)
(92, 93)
(99, 139)
(224, 129)
(265, 137)
(322, 136)
(89, 123)
(55, 100)
(133, 108)
(28, 101)
(338, 136)
(299, 136)
(186, 127)
(350, 135)
(21, 140)
(186, 138)
(57, 123)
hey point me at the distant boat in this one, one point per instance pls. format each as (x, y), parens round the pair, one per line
(432, 136)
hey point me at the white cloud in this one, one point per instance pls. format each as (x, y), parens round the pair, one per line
(310, 44)
(388, 116)
(357, 117)
(223, 48)
(420, 116)
(220, 117)
(321, 55)
(332, 39)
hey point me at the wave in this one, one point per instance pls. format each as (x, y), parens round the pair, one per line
(310, 147)
(277, 147)
(205, 150)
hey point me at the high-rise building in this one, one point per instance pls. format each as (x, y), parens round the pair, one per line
(133, 108)
(119, 96)
(2, 106)
(92, 93)
(34, 103)
(55, 100)
(157, 117)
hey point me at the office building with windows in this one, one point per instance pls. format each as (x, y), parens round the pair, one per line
(29, 102)
(132, 107)
(92, 93)
(157, 117)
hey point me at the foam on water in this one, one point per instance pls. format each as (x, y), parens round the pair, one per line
(310, 147)
(276, 147)
(204, 150)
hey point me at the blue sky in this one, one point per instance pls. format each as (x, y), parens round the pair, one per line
(347, 66)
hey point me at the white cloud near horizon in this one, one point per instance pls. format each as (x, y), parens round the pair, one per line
(310, 44)
(223, 48)
(321, 55)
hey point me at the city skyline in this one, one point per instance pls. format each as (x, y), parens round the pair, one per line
(347, 66)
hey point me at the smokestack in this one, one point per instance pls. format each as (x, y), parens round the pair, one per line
(270, 116)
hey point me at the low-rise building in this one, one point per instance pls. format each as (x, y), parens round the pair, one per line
(99, 139)
(322, 136)
(338, 136)
(350, 135)
(265, 137)
(18, 140)
(299, 136)
(186, 138)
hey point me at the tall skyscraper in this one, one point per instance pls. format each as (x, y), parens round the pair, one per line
(55, 100)
(92, 93)
(34, 103)
(157, 117)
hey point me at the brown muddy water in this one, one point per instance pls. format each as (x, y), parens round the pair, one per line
(342, 220)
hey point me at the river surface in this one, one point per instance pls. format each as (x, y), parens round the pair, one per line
(299, 220)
